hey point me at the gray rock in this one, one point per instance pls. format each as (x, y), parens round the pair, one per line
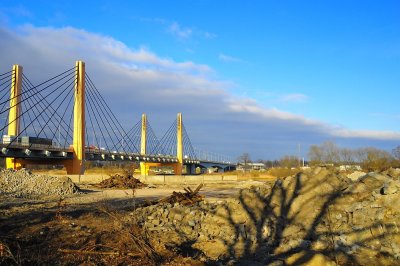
(390, 187)
(355, 175)
(191, 223)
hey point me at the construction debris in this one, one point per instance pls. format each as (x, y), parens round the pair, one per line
(24, 184)
(121, 181)
(188, 198)
(319, 211)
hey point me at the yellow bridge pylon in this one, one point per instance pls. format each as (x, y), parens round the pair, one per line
(74, 166)
(177, 166)
(15, 111)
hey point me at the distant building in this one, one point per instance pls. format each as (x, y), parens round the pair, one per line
(251, 166)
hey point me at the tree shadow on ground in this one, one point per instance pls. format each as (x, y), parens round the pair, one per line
(36, 235)
(299, 221)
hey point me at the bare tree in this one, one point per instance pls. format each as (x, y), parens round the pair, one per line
(315, 154)
(245, 160)
(375, 159)
(331, 152)
(396, 152)
(289, 161)
(347, 156)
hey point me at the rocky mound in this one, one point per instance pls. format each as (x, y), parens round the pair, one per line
(121, 181)
(319, 217)
(24, 184)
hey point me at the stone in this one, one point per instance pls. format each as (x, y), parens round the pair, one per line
(355, 175)
(191, 223)
(24, 184)
(178, 217)
(389, 187)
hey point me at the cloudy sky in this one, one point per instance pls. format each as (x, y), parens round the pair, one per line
(261, 77)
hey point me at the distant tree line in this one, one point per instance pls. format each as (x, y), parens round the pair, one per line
(329, 153)
(288, 161)
(369, 158)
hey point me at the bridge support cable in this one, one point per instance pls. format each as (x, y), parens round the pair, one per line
(167, 144)
(104, 125)
(133, 135)
(152, 140)
(49, 95)
(43, 86)
(41, 112)
(187, 145)
(101, 127)
(30, 115)
(148, 145)
(60, 122)
(121, 142)
(5, 86)
(48, 115)
(38, 113)
(159, 149)
(176, 144)
(113, 118)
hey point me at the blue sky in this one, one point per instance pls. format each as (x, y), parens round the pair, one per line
(332, 66)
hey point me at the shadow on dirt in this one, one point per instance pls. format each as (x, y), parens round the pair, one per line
(320, 219)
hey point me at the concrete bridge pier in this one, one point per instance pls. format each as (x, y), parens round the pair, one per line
(190, 169)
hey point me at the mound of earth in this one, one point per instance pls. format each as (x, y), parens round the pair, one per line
(318, 217)
(24, 184)
(121, 181)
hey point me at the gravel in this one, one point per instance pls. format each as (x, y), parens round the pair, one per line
(24, 184)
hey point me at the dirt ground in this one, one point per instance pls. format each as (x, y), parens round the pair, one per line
(52, 229)
(317, 217)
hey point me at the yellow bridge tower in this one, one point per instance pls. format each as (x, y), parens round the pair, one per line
(76, 166)
(177, 166)
(144, 168)
(15, 111)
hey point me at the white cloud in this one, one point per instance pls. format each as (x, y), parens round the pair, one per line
(209, 35)
(367, 134)
(178, 31)
(227, 58)
(251, 106)
(138, 80)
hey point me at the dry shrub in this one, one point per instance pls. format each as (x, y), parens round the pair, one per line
(6, 256)
(255, 173)
(133, 239)
(282, 171)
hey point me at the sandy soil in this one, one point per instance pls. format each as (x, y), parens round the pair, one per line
(36, 231)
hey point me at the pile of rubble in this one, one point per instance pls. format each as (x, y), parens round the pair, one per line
(126, 181)
(24, 184)
(189, 197)
(319, 215)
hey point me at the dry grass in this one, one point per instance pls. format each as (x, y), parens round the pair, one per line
(255, 175)
(6, 256)
(282, 171)
(106, 170)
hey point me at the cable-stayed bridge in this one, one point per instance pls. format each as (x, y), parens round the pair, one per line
(66, 121)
